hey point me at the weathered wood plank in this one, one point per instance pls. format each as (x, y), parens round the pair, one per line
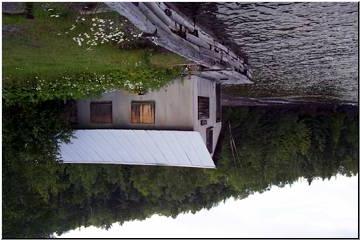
(178, 34)
(129, 11)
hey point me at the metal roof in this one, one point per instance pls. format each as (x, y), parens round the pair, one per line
(137, 147)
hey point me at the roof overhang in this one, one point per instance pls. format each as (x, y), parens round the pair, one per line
(137, 147)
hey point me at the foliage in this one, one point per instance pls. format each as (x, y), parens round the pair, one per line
(41, 197)
(30, 134)
(41, 62)
(86, 84)
(280, 144)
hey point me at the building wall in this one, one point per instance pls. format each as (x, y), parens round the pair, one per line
(176, 107)
(206, 88)
(173, 107)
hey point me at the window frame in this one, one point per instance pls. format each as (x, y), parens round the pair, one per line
(133, 103)
(97, 119)
(201, 115)
(210, 139)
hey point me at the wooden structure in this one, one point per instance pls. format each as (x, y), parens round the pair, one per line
(169, 29)
(188, 105)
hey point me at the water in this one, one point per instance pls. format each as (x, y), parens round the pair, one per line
(276, 147)
(278, 210)
(295, 49)
(291, 168)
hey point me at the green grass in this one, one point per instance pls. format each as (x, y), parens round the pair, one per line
(37, 51)
(14, 19)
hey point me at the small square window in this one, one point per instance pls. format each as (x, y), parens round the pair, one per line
(101, 112)
(143, 112)
(203, 108)
(203, 122)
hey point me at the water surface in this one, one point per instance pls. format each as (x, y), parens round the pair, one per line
(261, 148)
(295, 49)
(298, 210)
(293, 152)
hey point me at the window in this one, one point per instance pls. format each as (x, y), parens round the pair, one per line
(209, 139)
(218, 102)
(203, 108)
(71, 113)
(203, 122)
(101, 112)
(143, 112)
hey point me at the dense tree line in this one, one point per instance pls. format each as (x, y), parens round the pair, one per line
(259, 148)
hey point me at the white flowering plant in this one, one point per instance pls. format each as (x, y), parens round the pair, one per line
(95, 29)
(60, 71)
(92, 31)
(86, 84)
(101, 31)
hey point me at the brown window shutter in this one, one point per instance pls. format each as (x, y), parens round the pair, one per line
(135, 113)
(101, 112)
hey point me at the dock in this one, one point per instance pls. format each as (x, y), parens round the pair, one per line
(169, 29)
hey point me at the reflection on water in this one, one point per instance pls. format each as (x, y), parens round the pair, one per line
(302, 49)
(261, 147)
(280, 212)
(296, 50)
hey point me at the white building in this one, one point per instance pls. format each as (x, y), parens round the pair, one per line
(178, 125)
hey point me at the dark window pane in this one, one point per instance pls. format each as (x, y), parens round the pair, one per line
(101, 112)
(203, 108)
(209, 139)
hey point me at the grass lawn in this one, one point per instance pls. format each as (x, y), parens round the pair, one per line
(40, 59)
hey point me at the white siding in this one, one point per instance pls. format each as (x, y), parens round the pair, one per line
(173, 107)
(206, 88)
